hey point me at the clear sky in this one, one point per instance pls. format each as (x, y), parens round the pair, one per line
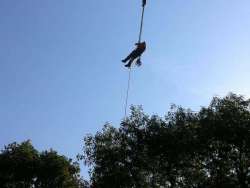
(60, 71)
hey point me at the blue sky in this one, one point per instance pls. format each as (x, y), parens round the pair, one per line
(61, 75)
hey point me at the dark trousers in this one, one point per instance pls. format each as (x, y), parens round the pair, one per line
(132, 56)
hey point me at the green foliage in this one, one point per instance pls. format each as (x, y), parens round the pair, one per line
(22, 166)
(206, 149)
(18, 165)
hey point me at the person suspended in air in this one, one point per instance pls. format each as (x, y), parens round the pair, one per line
(135, 54)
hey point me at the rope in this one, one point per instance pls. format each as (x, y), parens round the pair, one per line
(126, 103)
(141, 26)
(139, 40)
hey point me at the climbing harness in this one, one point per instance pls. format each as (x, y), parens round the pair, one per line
(138, 60)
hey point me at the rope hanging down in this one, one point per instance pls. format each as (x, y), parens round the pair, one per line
(126, 103)
(139, 40)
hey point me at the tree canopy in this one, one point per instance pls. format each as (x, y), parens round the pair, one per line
(205, 149)
(22, 166)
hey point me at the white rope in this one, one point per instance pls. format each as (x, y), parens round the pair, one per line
(126, 103)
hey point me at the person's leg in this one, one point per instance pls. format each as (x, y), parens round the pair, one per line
(126, 59)
(130, 62)
(137, 53)
(131, 55)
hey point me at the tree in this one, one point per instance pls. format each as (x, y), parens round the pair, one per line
(225, 134)
(18, 165)
(22, 166)
(209, 148)
(56, 171)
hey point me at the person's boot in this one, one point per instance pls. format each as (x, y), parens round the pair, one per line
(129, 64)
(124, 60)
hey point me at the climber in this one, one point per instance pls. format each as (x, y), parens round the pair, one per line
(136, 53)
